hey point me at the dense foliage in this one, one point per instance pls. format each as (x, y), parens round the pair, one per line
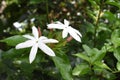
(96, 57)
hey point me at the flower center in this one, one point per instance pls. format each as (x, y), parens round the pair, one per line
(36, 41)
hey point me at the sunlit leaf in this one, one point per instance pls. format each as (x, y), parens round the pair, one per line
(81, 69)
(83, 56)
(102, 65)
(115, 38)
(117, 53)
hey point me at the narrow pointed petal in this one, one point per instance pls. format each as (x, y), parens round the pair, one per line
(25, 44)
(46, 49)
(77, 32)
(29, 37)
(66, 22)
(58, 22)
(33, 53)
(55, 26)
(42, 38)
(50, 41)
(64, 33)
(35, 32)
(74, 35)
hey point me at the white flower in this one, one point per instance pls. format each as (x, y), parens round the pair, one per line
(66, 29)
(17, 24)
(37, 42)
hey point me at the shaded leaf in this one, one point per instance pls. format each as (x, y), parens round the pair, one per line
(36, 1)
(63, 64)
(14, 40)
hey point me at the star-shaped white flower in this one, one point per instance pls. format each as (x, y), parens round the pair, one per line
(37, 42)
(66, 29)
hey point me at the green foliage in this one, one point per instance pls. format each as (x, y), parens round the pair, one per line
(62, 63)
(97, 57)
(14, 40)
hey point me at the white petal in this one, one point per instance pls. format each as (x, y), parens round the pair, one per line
(33, 53)
(46, 49)
(55, 26)
(64, 33)
(29, 37)
(66, 22)
(35, 32)
(17, 24)
(77, 32)
(42, 38)
(50, 41)
(58, 22)
(25, 44)
(74, 34)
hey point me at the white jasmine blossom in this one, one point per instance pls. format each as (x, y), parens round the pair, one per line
(37, 42)
(17, 24)
(66, 29)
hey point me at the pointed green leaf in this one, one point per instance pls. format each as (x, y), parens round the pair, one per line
(117, 53)
(118, 66)
(62, 63)
(87, 50)
(114, 3)
(83, 56)
(115, 37)
(102, 65)
(81, 69)
(14, 40)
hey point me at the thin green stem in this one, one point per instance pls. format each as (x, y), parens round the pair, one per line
(96, 25)
(47, 11)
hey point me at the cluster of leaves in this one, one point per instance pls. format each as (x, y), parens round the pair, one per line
(97, 57)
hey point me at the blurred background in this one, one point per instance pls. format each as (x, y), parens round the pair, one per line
(97, 20)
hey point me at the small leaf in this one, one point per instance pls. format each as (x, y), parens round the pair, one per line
(83, 56)
(87, 50)
(98, 55)
(111, 17)
(117, 53)
(81, 69)
(14, 40)
(117, 4)
(118, 66)
(36, 1)
(102, 65)
(115, 37)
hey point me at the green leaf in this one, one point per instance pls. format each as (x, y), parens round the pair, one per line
(94, 54)
(118, 66)
(14, 40)
(117, 53)
(117, 4)
(62, 63)
(83, 56)
(81, 69)
(87, 50)
(102, 65)
(14, 53)
(111, 17)
(36, 1)
(115, 37)
(98, 55)
(90, 27)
